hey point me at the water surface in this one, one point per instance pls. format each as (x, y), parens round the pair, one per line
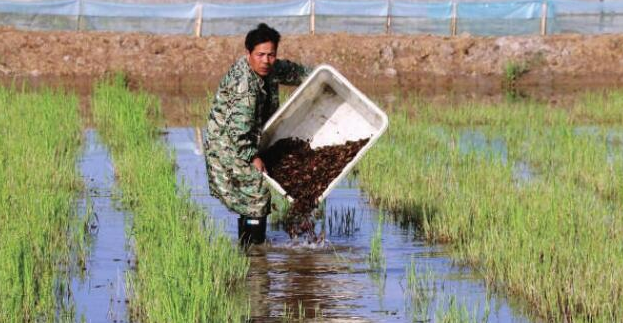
(332, 281)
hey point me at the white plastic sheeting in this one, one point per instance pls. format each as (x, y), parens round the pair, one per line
(352, 8)
(114, 9)
(236, 19)
(280, 9)
(500, 10)
(501, 18)
(40, 15)
(161, 19)
(441, 10)
(60, 8)
(572, 16)
(322, 16)
(420, 18)
(361, 17)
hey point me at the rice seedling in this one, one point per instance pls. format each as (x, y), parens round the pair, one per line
(420, 292)
(288, 314)
(554, 241)
(318, 312)
(343, 222)
(599, 108)
(512, 72)
(376, 258)
(187, 269)
(197, 111)
(301, 310)
(40, 228)
(454, 312)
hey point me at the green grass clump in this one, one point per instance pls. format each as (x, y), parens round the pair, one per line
(513, 71)
(454, 312)
(420, 292)
(554, 239)
(187, 269)
(376, 258)
(40, 137)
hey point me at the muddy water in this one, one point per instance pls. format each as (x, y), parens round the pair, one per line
(179, 96)
(331, 281)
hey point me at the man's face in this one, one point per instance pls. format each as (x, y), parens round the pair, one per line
(262, 58)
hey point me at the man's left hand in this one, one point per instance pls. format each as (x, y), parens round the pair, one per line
(259, 164)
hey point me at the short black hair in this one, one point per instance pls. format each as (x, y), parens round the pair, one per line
(261, 34)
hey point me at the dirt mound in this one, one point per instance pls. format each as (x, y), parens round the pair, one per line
(174, 63)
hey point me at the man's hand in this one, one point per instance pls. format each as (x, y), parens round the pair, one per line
(259, 164)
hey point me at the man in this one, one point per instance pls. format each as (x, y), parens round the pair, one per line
(246, 98)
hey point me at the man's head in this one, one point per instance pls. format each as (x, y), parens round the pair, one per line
(261, 44)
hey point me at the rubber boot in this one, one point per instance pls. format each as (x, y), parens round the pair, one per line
(251, 230)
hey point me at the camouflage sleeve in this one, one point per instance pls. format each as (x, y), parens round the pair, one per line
(240, 118)
(290, 73)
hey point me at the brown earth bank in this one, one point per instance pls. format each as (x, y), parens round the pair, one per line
(376, 63)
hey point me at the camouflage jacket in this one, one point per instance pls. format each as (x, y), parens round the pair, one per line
(243, 103)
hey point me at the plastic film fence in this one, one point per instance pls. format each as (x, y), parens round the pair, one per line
(161, 19)
(238, 19)
(501, 18)
(587, 17)
(322, 16)
(366, 17)
(57, 15)
(421, 18)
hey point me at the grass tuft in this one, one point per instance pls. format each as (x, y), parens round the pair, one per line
(40, 230)
(376, 258)
(187, 269)
(553, 238)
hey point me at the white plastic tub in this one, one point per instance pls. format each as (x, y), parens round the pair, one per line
(325, 110)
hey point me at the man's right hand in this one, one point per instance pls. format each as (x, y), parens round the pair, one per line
(259, 165)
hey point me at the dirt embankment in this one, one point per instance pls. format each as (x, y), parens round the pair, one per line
(188, 64)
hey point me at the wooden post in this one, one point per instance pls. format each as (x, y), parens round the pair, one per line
(544, 18)
(453, 20)
(79, 21)
(389, 17)
(199, 21)
(312, 18)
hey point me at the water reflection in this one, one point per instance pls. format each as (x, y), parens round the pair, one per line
(100, 297)
(331, 281)
(475, 141)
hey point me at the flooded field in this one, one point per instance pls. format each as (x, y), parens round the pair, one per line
(101, 294)
(503, 210)
(330, 282)
(43, 240)
(521, 190)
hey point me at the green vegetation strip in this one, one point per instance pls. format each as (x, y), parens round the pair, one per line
(555, 237)
(186, 269)
(40, 136)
